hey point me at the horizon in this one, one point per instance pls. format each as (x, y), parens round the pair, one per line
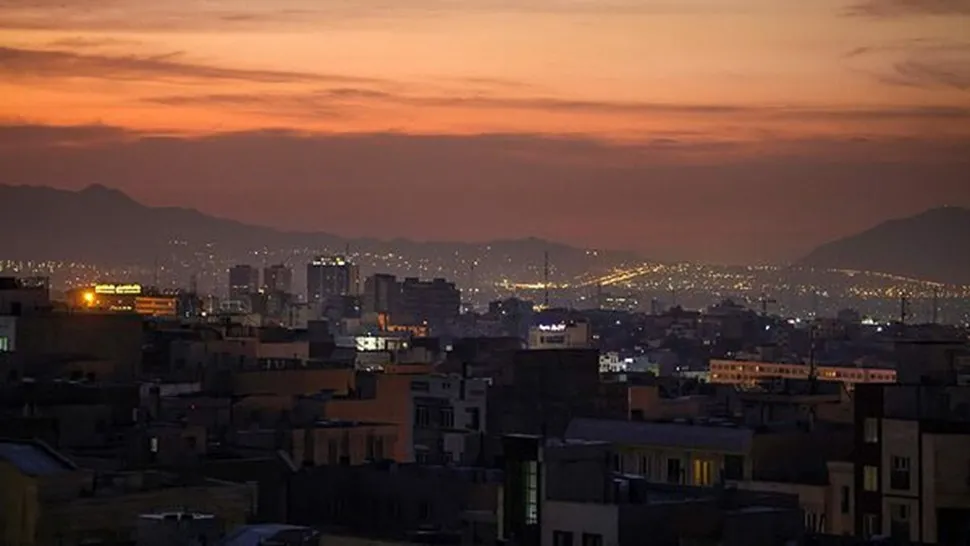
(738, 131)
(526, 237)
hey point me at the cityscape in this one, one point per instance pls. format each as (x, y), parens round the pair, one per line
(484, 273)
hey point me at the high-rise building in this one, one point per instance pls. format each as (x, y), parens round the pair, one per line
(278, 279)
(243, 281)
(436, 302)
(382, 294)
(331, 276)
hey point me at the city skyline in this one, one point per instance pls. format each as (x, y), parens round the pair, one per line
(736, 131)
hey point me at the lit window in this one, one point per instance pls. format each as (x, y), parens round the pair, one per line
(870, 478)
(4, 344)
(871, 430)
(702, 472)
(532, 492)
(154, 445)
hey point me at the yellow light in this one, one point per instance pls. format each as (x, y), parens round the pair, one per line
(89, 298)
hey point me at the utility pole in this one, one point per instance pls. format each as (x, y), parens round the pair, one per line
(545, 279)
(903, 309)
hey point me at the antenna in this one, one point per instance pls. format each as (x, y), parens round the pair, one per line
(765, 300)
(936, 304)
(903, 308)
(545, 279)
(155, 272)
(471, 284)
(812, 370)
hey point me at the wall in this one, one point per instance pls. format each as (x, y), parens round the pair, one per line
(579, 518)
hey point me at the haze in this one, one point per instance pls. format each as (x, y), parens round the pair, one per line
(713, 130)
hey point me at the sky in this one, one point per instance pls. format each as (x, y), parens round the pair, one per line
(715, 130)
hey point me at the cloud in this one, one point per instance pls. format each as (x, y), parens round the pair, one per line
(930, 74)
(335, 97)
(923, 63)
(235, 15)
(902, 8)
(16, 62)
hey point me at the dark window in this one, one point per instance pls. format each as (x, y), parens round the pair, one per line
(420, 386)
(617, 462)
(379, 448)
(673, 470)
(899, 476)
(447, 418)
(734, 467)
(370, 447)
(333, 452)
(562, 538)
(591, 539)
(474, 419)
(899, 521)
(846, 499)
(422, 417)
(643, 465)
(870, 525)
(424, 510)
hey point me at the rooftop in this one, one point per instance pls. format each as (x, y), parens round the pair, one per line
(706, 436)
(34, 458)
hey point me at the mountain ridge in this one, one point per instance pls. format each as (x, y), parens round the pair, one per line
(933, 245)
(102, 225)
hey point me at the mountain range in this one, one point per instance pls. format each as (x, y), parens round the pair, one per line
(933, 245)
(100, 225)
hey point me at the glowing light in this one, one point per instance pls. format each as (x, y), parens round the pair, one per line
(89, 298)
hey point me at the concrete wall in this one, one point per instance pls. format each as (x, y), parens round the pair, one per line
(580, 518)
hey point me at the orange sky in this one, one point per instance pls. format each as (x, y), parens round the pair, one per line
(711, 69)
(793, 121)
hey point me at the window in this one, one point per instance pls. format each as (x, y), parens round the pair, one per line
(733, 467)
(870, 525)
(899, 521)
(644, 468)
(333, 451)
(4, 344)
(532, 492)
(899, 475)
(617, 462)
(379, 448)
(870, 478)
(673, 470)
(422, 417)
(562, 538)
(846, 504)
(702, 472)
(871, 430)
(474, 419)
(420, 386)
(447, 418)
(592, 539)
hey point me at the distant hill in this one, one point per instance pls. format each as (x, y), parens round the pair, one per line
(933, 245)
(100, 225)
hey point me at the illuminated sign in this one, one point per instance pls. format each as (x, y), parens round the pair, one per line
(121, 289)
(552, 327)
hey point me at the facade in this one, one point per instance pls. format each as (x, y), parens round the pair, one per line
(382, 294)
(330, 277)
(436, 302)
(912, 472)
(278, 279)
(157, 306)
(343, 443)
(23, 296)
(747, 373)
(243, 281)
(565, 335)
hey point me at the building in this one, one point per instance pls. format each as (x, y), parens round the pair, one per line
(331, 276)
(747, 373)
(440, 419)
(561, 335)
(912, 471)
(382, 294)
(436, 302)
(562, 493)
(157, 306)
(243, 281)
(46, 500)
(337, 442)
(20, 296)
(278, 279)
